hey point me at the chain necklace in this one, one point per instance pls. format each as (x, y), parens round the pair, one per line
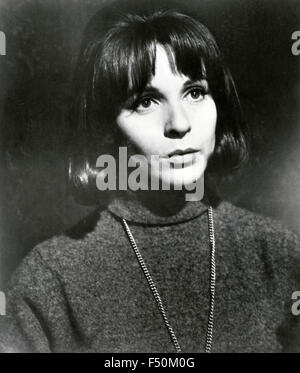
(210, 323)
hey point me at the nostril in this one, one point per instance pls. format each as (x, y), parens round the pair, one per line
(177, 124)
(174, 134)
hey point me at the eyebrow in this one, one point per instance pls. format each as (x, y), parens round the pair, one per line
(190, 82)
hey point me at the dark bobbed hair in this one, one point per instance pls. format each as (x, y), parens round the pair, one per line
(118, 41)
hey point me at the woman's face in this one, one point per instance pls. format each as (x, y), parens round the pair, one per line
(173, 114)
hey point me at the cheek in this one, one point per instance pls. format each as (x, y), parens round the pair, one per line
(142, 133)
(204, 125)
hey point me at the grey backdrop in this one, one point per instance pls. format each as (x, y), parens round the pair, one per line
(42, 46)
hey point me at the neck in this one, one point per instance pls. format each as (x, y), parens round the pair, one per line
(163, 203)
(157, 207)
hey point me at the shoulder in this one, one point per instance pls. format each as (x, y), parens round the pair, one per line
(72, 251)
(253, 234)
(250, 223)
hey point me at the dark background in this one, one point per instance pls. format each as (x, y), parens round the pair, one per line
(42, 45)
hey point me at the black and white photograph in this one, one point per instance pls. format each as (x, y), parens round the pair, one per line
(149, 177)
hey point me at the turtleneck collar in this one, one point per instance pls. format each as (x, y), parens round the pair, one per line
(156, 208)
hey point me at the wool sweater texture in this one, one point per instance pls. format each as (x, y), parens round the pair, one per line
(84, 291)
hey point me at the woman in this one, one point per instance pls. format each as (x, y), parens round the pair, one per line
(157, 272)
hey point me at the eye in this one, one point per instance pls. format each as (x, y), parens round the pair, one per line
(195, 94)
(145, 104)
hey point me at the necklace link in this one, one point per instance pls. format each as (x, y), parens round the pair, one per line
(155, 293)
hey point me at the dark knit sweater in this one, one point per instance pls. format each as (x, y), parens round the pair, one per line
(88, 293)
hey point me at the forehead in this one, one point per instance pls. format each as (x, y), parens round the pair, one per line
(157, 65)
(166, 77)
(166, 72)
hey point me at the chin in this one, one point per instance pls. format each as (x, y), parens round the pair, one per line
(179, 178)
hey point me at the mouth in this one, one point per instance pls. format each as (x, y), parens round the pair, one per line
(182, 158)
(182, 152)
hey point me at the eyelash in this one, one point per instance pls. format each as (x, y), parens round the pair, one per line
(203, 92)
(139, 101)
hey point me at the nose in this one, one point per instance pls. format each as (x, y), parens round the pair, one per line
(177, 123)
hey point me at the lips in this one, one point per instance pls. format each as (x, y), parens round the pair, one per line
(182, 158)
(182, 152)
